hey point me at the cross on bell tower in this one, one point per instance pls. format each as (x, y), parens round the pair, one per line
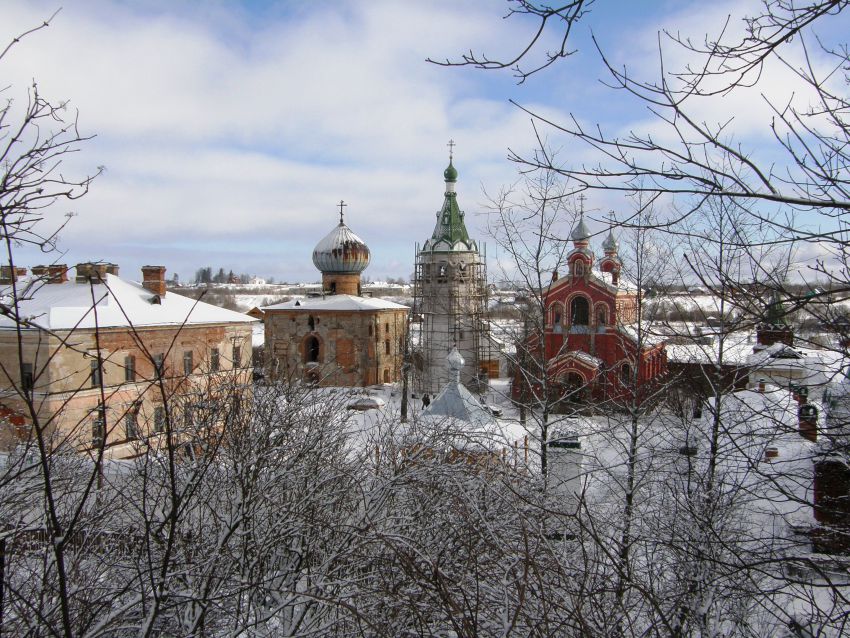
(451, 146)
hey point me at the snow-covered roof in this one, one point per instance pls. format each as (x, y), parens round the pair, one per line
(338, 303)
(623, 283)
(455, 401)
(115, 303)
(580, 355)
(737, 347)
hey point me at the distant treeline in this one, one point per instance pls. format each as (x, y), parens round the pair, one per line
(206, 276)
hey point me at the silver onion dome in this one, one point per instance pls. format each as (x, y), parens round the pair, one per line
(341, 251)
(610, 245)
(581, 231)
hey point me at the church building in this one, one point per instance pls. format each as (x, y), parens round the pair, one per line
(591, 350)
(339, 338)
(450, 299)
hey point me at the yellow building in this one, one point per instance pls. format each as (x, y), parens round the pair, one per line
(100, 362)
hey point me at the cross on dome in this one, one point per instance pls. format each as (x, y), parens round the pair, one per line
(341, 205)
(451, 146)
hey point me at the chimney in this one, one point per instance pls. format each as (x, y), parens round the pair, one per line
(565, 459)
(801, 394)
(153, 279)
(761, 385)
(771, 454)
(6, 275)
(57, 274)
(112, 269)
(554, 275)
(53, 274)
(91, 272)
(808, 422)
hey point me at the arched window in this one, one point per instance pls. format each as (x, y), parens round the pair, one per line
(579, 311)
(578, 268)
(601, 316)
(387, 346)
(556, 315)
(370, 329)
(311, 350)
(386, 375)
(626, 374)
(311, 323)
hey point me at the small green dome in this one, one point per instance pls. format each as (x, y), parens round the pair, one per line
(450, 173)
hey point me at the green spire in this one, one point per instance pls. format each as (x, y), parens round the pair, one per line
(450, 225)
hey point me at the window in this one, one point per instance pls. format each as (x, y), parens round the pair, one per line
(626, 374)
(311, 323)
(188, 416)
(579, 268)
(96, 376)
(159, 364)
(129, 368)
(131, 423)
(312, 350)
(26, 377)
(579, 311)
(387, 328)
(556, 320)
(386, 376)
(237, 355)
(371, 332)
(159, 419)
(188, 362)
(601, 317)
(98, 427)
(387, 346)
(214, 360)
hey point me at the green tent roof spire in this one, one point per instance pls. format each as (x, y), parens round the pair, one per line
(450, 233)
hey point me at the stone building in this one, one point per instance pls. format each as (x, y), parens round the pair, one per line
(450, 300)
(338, 338)
(108, 362)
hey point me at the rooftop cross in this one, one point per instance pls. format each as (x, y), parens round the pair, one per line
(581, 199)
(451, 146)
(341, 204)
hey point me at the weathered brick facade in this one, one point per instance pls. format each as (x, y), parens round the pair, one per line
(335, 347)
(90, 383)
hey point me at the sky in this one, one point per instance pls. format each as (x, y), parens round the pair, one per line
(229, 131)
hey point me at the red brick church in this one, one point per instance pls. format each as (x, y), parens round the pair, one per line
(591, 348)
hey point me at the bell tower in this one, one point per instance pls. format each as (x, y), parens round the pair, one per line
(450, 290)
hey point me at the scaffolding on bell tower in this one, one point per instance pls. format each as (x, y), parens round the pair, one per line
(450, 297)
